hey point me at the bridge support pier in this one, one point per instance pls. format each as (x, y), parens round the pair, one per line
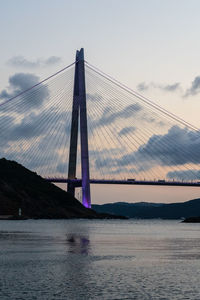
(79, 107)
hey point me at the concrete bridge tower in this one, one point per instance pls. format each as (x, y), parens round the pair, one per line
(79, 108)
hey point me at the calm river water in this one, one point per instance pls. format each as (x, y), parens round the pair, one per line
(105, 259)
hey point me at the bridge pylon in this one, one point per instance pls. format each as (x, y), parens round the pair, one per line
(79, 109)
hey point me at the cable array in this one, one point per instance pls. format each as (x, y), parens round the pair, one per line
(129, 136)
(35, 125)
(141, 139)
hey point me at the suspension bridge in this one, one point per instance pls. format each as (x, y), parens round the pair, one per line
(80, 126)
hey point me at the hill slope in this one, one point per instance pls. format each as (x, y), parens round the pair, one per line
(21, 188)
(152, 210)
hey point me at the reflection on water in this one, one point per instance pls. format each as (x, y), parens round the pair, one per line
(112, 259)
(78, 244)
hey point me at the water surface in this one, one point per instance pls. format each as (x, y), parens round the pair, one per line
(104, 259)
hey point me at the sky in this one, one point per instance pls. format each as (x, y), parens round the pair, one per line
(151, 46)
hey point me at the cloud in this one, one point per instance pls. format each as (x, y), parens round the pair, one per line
(178, 146)
(25, 129)
(108, 117)
(106, 152)
(167, 88)
(106, 157)
(52, 60)
(114, 165)
(62, 168)
(122, 170)
(35, 144)
(33, 125)
(127, 130)
(146, 117)
(31, 131)
(105, 162)
(130, 159)
(94, 97)
(184, 175)
(39, 159)
(18, 83)
(193, 90)
(195, 87)
(170, 87)
(142, 86)
(6, 122)
(34, 160)
(22, 62)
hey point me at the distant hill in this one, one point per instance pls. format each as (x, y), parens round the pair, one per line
(37, 198)
(152, 210)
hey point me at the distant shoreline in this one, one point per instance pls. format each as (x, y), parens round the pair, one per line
(147, 210)
(192, 220)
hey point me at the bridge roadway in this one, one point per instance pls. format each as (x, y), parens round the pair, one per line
(77, 182)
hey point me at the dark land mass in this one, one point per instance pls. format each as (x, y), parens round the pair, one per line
(192, 220)
(37, 198)
(146, 210)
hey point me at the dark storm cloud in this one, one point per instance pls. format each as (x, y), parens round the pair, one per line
(22, 62)
(195, 87)
(127, 130)
(184, 175)
(20, 82)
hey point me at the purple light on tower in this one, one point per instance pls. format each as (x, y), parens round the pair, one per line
(86, 202)
(79, 106)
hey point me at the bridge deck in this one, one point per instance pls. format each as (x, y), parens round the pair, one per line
(77, 182)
